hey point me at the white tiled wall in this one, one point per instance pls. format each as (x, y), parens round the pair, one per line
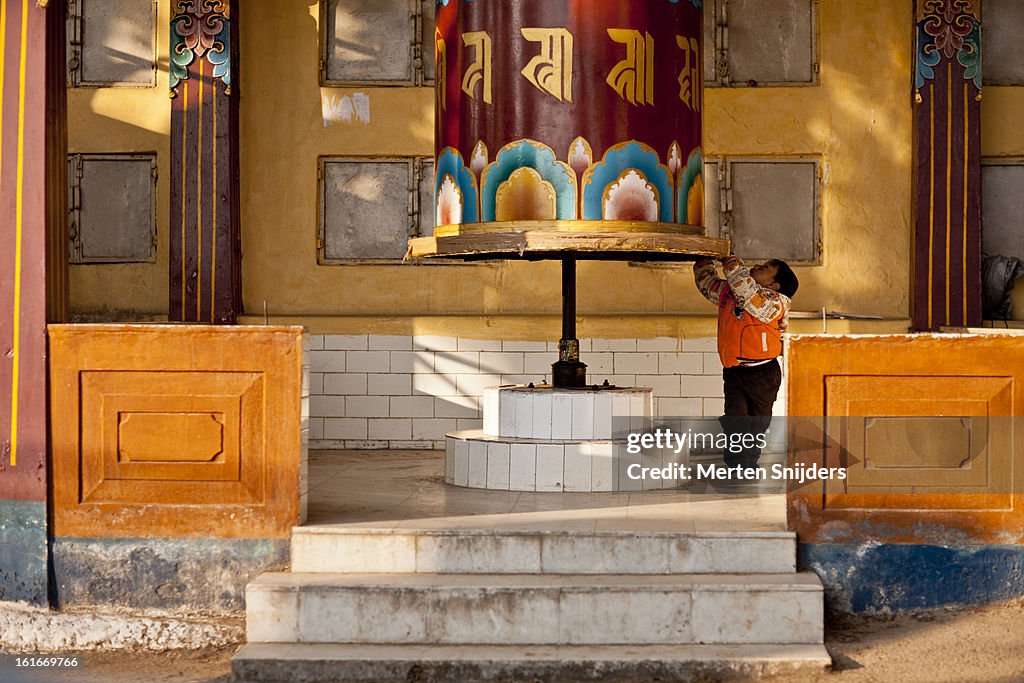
(380, 391)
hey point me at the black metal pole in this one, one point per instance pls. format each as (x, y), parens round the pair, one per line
(568, 371)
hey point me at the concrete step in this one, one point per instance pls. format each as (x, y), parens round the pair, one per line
(312, 663)
(491, 551)
(535, 609)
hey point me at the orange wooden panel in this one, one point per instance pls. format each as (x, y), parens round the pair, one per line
(926, 425)
(175, 430)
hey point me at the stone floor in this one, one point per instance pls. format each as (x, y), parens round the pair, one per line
(405, 489)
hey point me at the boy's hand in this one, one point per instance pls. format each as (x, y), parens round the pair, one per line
(730, 262)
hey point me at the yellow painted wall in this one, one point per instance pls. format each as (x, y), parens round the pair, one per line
(126, 120)
(857, 121)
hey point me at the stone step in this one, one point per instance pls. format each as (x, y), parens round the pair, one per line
(316, 663)
(495, 551)
(534, 609)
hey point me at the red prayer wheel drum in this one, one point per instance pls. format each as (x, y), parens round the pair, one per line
(571, 114)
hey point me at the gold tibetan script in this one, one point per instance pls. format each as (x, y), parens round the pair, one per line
(480, 70)
(689, 77)
(441, 68)
(633, 77)
(551, 70)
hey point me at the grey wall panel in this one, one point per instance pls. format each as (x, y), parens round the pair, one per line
(427, 37)
(771, 41)
(426, 196)
(1002, 210)
(1002, 49)
(118, 42)
(712, 200)
(365, 209)
(368, 40)
(710, 46)
(117, 210)
(774, 208)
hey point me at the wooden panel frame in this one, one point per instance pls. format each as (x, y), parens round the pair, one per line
(979, 374)
(247, 379)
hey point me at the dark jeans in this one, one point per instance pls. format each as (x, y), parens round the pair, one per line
(749, 395)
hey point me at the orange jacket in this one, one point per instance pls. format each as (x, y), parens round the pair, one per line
(751, 318)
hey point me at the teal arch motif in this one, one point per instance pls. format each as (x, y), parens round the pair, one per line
(450, 162)
(618, 159)
(539, 157)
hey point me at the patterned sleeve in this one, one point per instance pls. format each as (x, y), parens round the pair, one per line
(708, 282)
(765, 305)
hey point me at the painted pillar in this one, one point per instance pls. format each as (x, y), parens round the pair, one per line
(557, 112)
(26, 147)
(947, 171)
(205, 256)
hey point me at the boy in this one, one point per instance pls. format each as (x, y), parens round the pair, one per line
(753, 311)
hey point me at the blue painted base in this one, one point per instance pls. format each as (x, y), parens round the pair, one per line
(166, 573)
(23, 551)
(885, 578)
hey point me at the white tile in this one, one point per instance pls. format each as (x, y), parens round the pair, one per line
(367, 406)
(538, 363)
(477, 464)
(316, 383)
(389, 342)
(621, 381)
(449, 461)
(603, 416)
(498, 466)
(663, 385)
(389, 385)
(464, 423)
(454, 362)
(713, 364)
(479, 344)
(412, 406)
(602, 363)
(415, 362)
(391, 428)
(614, 344)
(523, 467)
(658, 344)
(541, 428)
(312, 342)
(680, 407)
(345, 384)
(583, 417)
(636, 363)
(474, 385)
(550, 467)
(432, 427)
(461, 469)
(345, 342)
(316, 428)
(368, 361)
(680, 363)
(524, 414)
(577, 473)
(507, 414)
(456, 406)
(713, 407)
(523, 380)
(702, 386)
(434, 385)
(602, 467)
(327, 406)
(561, 415)
(699, 344)
(501, 363)
(345, 428)
(433, 342)
(491, 411)
(523, 346)
(327, 361)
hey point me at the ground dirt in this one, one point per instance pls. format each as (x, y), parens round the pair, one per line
(979, 645)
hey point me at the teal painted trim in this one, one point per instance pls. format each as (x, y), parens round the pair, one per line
(694, 169)
(618, 160)
(450, 162)
(23, 559)
(888, 577)
(529, 154)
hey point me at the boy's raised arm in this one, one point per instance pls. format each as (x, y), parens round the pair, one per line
(707, 280)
